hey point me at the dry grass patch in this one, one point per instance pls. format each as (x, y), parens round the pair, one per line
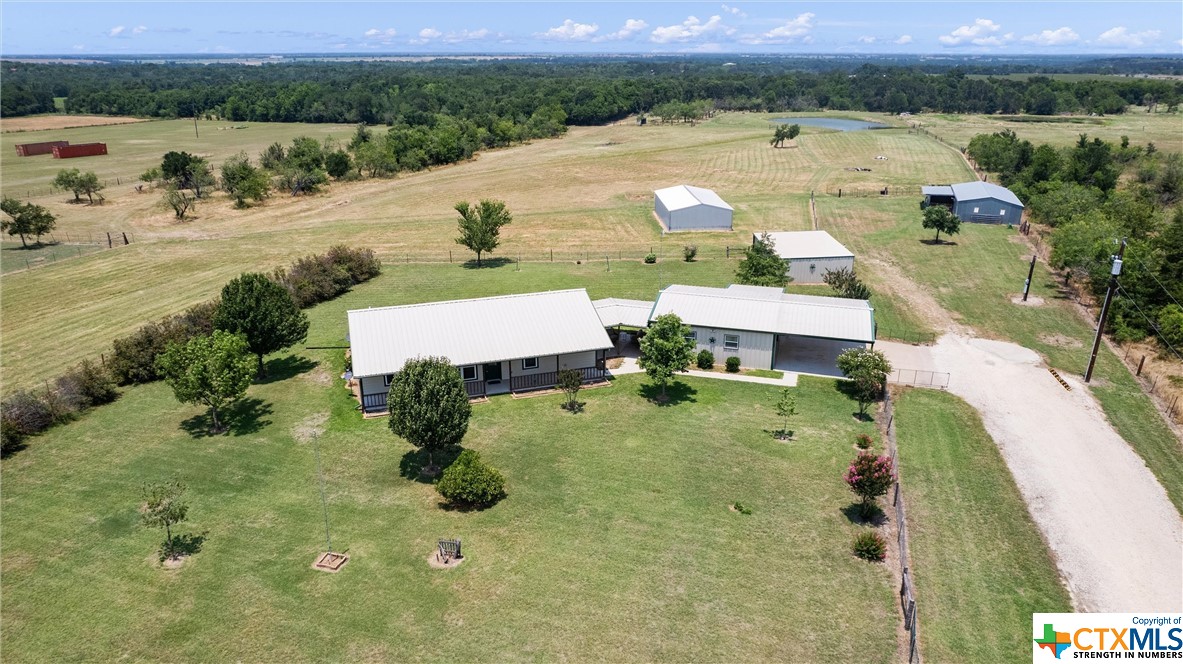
(52, 122)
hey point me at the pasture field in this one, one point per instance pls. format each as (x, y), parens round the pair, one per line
(977, 557)
(584, 196)
(616, 541)
(14, 257)
(1165, 130)
(55, 121)
(974, 277)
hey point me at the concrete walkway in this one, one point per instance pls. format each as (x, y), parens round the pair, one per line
(630, 366)
(1116, 537)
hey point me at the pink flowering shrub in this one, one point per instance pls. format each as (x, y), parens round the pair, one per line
(869, 476)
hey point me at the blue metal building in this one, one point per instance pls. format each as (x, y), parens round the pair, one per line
(976, 201)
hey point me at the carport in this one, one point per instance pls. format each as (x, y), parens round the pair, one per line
(810, 355)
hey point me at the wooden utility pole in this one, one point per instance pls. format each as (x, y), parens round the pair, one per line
(195, 134)
(1113, 274)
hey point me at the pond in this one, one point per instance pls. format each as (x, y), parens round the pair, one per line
(841, 124)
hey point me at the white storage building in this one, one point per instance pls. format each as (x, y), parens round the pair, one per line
(809, 254)
(686, 208)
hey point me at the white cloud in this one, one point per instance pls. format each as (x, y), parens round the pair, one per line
(1122, 37)
(691, 28)
(79, 47)
(466, 35)
(630, 28)
(1057, 37)
(430, 33)
(795, 30)
(735, 11)
(116, 31)
(904, 39)
(981, 33)
(374, 33)
(866, 39)
(570, 31)
(139, 29)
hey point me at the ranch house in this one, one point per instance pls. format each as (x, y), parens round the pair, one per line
(808, 255)
(509, 343)
(767, 328)
(976, 201)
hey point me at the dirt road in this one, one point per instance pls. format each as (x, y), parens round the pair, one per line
(1116, 537)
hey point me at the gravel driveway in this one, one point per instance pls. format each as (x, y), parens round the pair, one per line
(1116, 537)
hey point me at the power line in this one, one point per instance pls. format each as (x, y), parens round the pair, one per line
(1151, 273)
(1153, 326)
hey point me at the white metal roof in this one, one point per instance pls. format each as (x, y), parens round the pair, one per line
(972, 191)
(684, 196)
(487, 329)
(615, 311)
(761, 309)
(807, 244)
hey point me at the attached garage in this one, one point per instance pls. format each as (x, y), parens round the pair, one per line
(686, 208)
(808, 255)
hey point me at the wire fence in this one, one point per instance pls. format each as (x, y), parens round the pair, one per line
(919, 378)
(603, 255)
(61, 246)
(907, 590)
(914, 337)
(47, 190)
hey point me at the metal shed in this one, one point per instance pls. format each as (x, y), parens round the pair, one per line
(687, 208)
(809, 254)
(976, 202)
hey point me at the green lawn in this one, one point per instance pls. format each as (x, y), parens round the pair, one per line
(975, 277)
(14, 256)
(615, 542)
(979, 564)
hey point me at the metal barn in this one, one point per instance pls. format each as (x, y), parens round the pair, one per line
(808, 255)
(686, 208)
(976, 201)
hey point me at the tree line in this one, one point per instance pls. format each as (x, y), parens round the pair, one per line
(501, 97)
(1092, 194)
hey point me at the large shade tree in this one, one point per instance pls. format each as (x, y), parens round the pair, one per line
(666, 350)
(213, 371)
(25, 219)
(263, 312)
(480, 225)
(761, 266)
(428, 405)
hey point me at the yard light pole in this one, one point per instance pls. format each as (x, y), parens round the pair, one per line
(1113, 274)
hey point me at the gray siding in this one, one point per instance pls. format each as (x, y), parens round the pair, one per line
(988, 210)
(662, 213)
(699, 218)
(755, 348)
(799, 268)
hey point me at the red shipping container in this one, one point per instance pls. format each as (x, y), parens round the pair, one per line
(80, 150)
(31, 149)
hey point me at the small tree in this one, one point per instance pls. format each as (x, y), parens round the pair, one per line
(794, 131)
(163, 508)
(88, 183)
(213, 371)
(25, 219)
(939, 217)
(761, 266)
(869, 476)
(846, 284)
(786, 407)
(263, 312)
(480, 226)
(181, 203)
(428, 405)
(779, 136)
(470, 482)
(689, 252)
(67, 180)
(867, 370)
(243, 181)
(665, 350)
(338, 164)
(1170, 325)
(570, 382)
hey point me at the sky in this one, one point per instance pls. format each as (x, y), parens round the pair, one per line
(990, 27)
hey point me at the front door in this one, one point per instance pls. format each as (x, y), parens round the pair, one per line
(493, 373)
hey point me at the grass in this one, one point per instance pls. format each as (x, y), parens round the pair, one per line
(616, 539)
(15, 257)
(1165, 130)
(975, 279)
(977, 557)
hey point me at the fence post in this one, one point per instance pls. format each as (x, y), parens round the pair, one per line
(1140, 363)
(125, 241)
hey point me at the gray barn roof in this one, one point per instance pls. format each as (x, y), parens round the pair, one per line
(615, 311)
(937, 190)
(489, 329)
(973, 191)
(761, 309)
(793, 245)
(684, 196)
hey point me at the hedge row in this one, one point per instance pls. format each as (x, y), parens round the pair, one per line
(27, 413)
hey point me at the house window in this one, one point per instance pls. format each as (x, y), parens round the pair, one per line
(692, 337)
(730, 342)
(530, 363)
(975, 210)
(388, 379)
(1002, 212)
(468, 373)
(812, 268)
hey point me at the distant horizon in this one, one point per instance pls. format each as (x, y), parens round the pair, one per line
(412, 29)
(589, 54)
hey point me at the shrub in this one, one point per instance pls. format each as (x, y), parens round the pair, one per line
(317, 278)
(134, 358)
(689, 252)
(650, 258)
(705, 360)
(869, 545)
(869, 476)
(863, 441)
(22, 415)
(741, 508)
(733, 364)
(471, 482)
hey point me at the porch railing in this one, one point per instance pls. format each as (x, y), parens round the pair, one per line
(372, 402)
(474, 388)
(551, 378)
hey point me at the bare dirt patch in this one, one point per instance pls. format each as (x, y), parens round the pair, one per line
(437, 563)
(47, 122)
(310, 427)
(1032, 300)
(1060, 340)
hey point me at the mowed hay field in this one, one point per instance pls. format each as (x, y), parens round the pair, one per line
(583, 196)
(1165, 130)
